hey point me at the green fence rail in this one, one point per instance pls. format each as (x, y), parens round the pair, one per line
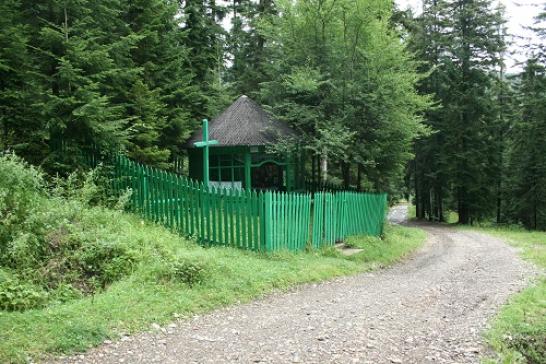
(259, 221)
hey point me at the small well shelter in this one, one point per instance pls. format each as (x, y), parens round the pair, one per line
(240, 158)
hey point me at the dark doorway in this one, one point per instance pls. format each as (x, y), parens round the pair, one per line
(268, 176)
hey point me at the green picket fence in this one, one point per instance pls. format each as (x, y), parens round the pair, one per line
(287, 218)
(259, 221)
(341, 214)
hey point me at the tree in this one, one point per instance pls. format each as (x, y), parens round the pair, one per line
(339, 73)
(19, 121)
(460, 43)
(526, 188)
(72, 50)
(528, 156)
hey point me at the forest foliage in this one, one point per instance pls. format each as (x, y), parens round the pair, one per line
(139, 75)
(376, 94)
(486, 156)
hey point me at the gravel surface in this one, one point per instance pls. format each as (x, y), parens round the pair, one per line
(398, 214)
(432, 308)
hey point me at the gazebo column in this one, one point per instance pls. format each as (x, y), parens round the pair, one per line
(290, 170)
(248, 166)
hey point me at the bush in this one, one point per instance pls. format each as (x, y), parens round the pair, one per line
(17, 295)
(185, 270)
(20, 186)
(531, 345)
(105, 261)
(53, 238)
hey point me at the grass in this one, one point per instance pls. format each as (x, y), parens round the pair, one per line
(450, 216)
(518, 333)
(134, 302)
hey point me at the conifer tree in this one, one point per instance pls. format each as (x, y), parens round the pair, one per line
(72, 43)
(460, 42)
(526, 189)
(21, 130)
(528, 156)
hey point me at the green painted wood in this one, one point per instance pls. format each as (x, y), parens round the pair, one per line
(221, 214)
(246, 219)
(262, 220)
(247, 170)
(242, 203)
(225, 226)
(193, 208)
(205, 145)
(290, 214)
(268, 197)
(255, 221)
(213, 222)
(202, 220)
(207, 212)
(232, 219)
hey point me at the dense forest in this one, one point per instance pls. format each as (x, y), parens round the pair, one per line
(383, 99)
(486, 155)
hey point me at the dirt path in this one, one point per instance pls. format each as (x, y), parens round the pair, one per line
(430, 309)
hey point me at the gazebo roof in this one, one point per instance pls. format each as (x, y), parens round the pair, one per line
(244, 123)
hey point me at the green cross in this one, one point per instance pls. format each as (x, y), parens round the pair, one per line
(205, 145)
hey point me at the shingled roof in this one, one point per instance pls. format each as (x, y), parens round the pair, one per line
(244, 123)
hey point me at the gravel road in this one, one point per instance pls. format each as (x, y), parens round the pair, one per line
(432, 308)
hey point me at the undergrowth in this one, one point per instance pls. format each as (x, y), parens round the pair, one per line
(54, 246)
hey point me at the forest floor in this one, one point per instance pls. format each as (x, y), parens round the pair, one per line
(432, 308)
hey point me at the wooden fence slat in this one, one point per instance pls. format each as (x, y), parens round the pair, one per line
(247, 219)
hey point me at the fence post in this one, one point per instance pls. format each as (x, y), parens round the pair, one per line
(267, 217)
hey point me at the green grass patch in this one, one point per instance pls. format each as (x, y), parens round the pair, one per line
(397, 242)
(518, 333)
(412, 212)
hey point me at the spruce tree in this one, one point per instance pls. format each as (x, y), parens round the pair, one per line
(72, 46)
(21, 128)
(527, 157)
(460, 42)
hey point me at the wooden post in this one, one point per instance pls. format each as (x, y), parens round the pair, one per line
(205, 145)
(248, 179)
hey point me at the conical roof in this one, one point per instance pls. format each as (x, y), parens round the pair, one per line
(244, 123)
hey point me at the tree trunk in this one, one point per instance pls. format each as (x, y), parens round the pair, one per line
(462, 206)
(419, 212)
(346, 173)
(440, 198)
(359, 177)
(323, 168)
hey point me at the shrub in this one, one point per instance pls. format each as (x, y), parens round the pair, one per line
(532, 345)
(185, 270)
(20, 186)
(105, 261)
(54, 238)
(18, 295)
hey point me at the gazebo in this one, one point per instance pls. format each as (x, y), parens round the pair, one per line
(239, 158)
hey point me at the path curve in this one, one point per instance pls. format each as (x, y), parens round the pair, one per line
(432, 308)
